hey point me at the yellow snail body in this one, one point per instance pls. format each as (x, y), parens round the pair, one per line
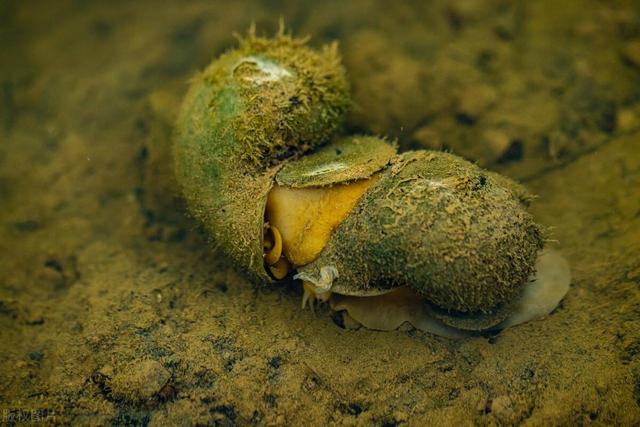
(420, 237)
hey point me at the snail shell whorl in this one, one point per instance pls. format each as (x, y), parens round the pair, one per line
(252, 108)
(457, 234)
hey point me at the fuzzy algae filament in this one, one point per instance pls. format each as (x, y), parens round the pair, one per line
(420, 237)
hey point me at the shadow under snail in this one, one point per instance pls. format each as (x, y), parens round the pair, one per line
(422, 237)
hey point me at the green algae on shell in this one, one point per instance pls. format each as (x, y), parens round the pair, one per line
(268, 100)
(457, 234)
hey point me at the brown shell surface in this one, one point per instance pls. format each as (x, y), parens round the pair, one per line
(442, 225)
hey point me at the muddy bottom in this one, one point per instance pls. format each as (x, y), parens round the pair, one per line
(114, 309)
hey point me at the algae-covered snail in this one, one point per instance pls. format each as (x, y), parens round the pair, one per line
(420, 237)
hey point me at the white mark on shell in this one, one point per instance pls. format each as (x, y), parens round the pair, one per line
(269, 71)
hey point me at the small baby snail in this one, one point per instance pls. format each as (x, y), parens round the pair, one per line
(420, 237)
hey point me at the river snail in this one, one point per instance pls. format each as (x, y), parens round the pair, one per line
(421, 237)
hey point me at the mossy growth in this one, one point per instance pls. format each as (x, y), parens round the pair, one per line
(268, 100)
(456, 233)
(286, 97)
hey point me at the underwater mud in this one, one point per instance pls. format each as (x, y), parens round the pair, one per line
(114, 308)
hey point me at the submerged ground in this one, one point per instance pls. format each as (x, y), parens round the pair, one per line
(113, 308)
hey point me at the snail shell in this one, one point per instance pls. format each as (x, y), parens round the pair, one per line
(249, 110)
(457, 234)
(443, 231)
